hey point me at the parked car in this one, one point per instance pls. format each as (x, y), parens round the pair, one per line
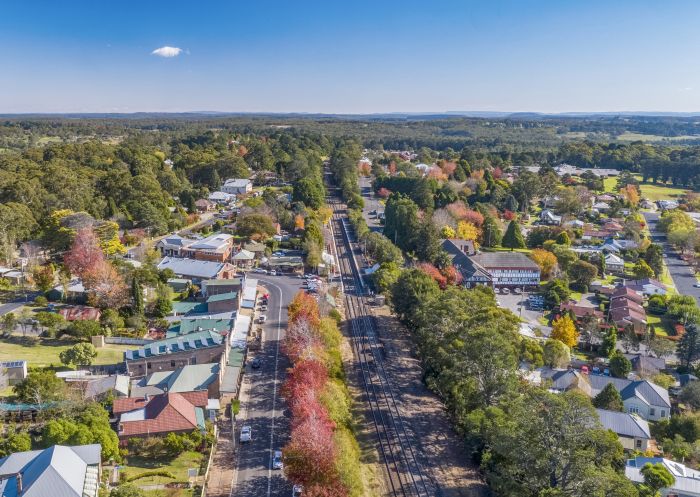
(260, 270)
(246, 434)
(263, 307)
(262, 319)
(296, 490)
(256, 363)
(277, 460)
(273, 273)
(505, 291)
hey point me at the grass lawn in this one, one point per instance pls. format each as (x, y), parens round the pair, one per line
(45, 352)
(630, 136)
(662, 325)
(610, 185)
(178, 467)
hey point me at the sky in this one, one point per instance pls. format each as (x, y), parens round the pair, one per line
(354, 56)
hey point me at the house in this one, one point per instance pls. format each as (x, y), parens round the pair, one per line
(171, 353)
(601, 207)
(614, 263)
(647, 286)
(499, 269)
(179, 285)
(687, 480)
(458, 249)
(623, 292)
(667, 205)
(626, 317)
(647, 204)
(221, 198)
(548, 217)
(575, 224)
(250, 293)
(173, 245)
(74, 291)
(640, 397)
(285, 263)
(80, 313)
(256, 247)
(197, 270)
(12, 372)
(204, 205)
(244, 258)
(58, 471)
(237, 186)
(149, 416)
(618, 245)
(632, 431)
(646, 366)
(97, 387)
(223, 302)
(581, 311)
(191, 378)
(215, 248)
(215, 287)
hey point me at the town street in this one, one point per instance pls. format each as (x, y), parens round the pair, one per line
(681, 273)
(371, 204)
(261, 404)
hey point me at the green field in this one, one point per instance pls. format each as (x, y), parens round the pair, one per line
(659, 192)
(631, 137)
(610, 185)
(178, 467)
(45, 352)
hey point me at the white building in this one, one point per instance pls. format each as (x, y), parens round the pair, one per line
(687, 480)
(500, 269)
(237, 186)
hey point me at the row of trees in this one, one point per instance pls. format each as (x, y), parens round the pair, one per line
(322, 453)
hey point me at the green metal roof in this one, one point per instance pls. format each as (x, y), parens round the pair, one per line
(223, 282)
(222, 296)
(188, 326)
(235, 357)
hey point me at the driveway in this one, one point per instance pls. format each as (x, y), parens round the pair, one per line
(371, 204)
(681, 273)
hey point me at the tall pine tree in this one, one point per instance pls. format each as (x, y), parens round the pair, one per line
(137, 295)
(688, 349)
(513, 238)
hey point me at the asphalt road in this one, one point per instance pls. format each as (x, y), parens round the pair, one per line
(261, 404)
(681, 273)
(371, 203)
(17, 303)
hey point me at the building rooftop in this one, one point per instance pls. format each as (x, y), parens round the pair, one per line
(504, 260)
(164, 413)
(192, 267)
(180, 343)
(624, 424)
(189, 378)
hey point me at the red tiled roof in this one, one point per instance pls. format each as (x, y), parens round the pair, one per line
(580, 310)
(126, 404)
(621, 303)
(165, 413)
(627, 293)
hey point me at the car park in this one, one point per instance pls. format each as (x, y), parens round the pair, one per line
(277, 460)
(246, 434)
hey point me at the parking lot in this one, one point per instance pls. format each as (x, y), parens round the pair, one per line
(518, 305)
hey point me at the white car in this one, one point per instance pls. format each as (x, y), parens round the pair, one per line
(262, 319)
(277, 460)
(273, 273)
(296, 490)
(246, 434)
(260, 270)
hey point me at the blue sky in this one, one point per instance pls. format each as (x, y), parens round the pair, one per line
(350, 57)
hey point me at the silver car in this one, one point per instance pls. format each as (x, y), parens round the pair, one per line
(277, 460)
(246, 434)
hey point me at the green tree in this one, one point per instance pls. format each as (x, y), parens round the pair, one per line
(84, 330)
(513, 237)
(255, 225)
(620, 366)
(690, 395)
(309, 191)
(608, 347)
(44, 277)
(81, 354)
(137, 296)
(555, 292)
(491, 235)
(112, 320)
(401, 221)
(688, 348)
(563, 239)
(511, 203)
(15, 441)
(556, 354)
(656, 477)
(40, 387)
(654, 257)
(162, 307)
(642, 270)
(609, 398)
(385, 277)
(9, 323)
(412, 288)
(582, 274)
(50, 321)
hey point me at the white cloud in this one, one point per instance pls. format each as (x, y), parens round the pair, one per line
(167, 51)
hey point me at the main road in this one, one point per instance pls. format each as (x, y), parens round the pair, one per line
(682, 274)
(262, 406)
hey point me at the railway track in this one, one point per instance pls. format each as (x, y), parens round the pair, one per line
(405, 476)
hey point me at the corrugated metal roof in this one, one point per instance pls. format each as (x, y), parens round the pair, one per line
(624, 424)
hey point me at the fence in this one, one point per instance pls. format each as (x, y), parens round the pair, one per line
(212, 450)
(127, 341)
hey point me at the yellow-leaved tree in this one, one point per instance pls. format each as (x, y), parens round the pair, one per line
(564, 330)
(546, 260)
(467, 231)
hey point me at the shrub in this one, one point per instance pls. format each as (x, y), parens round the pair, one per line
(41, 301)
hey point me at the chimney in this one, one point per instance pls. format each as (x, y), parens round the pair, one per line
(145, 398)
(19, 483)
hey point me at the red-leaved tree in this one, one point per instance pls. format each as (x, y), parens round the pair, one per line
(434, 273)
(85, 255)
(384, 192)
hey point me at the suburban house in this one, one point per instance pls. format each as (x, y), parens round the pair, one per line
(646, 366)
(222, 198)
(215, 287)
(617, 245)
(632, 431)
(160, 414)
(80, 313)
(65, 471)
(641, 397)
(173, 245)
(12, 372)
(189, 325)
(256, 247)
(499, 269)
(215, 248)
(74, 291)
(191, 378)
(197, 270)
(623, 292)
(548, 217)
(243, 259)
(97, 387)
(237, 186)
(601, 207)
(667, 205)
(687, 480)
(204, 205)
(581, 312)
(171, 353)
(614, 264)
(647, 286)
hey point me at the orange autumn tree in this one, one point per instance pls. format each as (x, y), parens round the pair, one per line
(546, 260)
(630, 194)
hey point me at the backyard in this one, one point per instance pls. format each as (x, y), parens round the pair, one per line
(44, 352)
(177, 467)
